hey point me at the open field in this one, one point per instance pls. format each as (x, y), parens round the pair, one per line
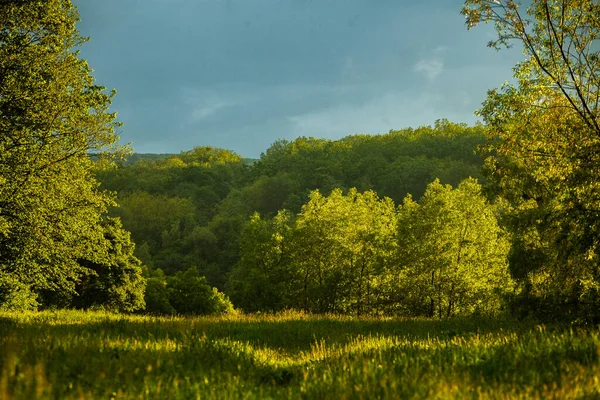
(86, 355)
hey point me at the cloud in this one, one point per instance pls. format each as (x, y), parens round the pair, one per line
(202, 111)
(433, 65)
(228, 116)
(431, 68)
(225, 104)
(202, 104)
(379, 114)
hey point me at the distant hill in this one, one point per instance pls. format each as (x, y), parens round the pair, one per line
(135, 157)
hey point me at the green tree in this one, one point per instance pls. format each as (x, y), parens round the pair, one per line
(326, 259)
(189, 293)
(15, 295)
(52, 118)
(147, 216)
(344, 241)
(114, 276)
(157, 294)
(545, 136)
(185, 293)
(264, 279)
(191, 209)
(452, 255)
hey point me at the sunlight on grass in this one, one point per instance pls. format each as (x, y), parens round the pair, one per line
(71, 354)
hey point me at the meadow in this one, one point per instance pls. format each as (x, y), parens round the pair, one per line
(83, 355)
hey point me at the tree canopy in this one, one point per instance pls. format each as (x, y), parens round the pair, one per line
(188, 210)
(355, 253)
(53, 118)
(545, 141)
(452, 253)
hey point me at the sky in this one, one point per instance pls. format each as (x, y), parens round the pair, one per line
(240, 74)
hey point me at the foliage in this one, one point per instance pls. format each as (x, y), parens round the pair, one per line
(263, 279)
(452, 254)
(114, 278)
(184, 293)
(167, 204)
(189, 293)
(323, 260)
(135, 157)
(72, 355)
(341, 243)
(52, 117)
(355, 254)
(157, 294)
(15, 295)
(148, 216)
(545, 135)
(392, 164)
(189, 210)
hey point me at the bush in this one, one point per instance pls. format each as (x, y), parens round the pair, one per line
(185, 293)
(190, 293)
(113, 279)
(157, 294)
(15, 296)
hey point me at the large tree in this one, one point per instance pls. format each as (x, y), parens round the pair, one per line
(545, 140)
(452, 255)
(326, 259)
(342, 243)
(53, 119)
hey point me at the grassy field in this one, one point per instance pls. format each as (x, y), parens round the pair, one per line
(69, 354)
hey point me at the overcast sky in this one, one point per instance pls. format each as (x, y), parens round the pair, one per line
(239, 74)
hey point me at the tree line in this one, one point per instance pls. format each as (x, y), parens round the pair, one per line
(189, 211)
(355, 253)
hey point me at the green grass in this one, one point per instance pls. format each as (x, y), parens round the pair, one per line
(85, 355)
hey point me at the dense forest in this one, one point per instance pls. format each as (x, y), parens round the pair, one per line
(207, 209)
(436, 221)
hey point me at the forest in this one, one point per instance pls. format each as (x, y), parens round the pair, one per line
(306, 221)
(475, 234)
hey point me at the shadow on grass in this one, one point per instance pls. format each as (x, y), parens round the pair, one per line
(287, 335)
(128, 353)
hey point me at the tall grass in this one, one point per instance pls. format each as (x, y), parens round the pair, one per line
(72, 355)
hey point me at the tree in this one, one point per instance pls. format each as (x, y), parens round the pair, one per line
(147, 215)
(264, 279)
(52, 118)
(189, 293)
(452, 255)
(185, 293)
(114, 277)
(343, 242)
(545, 142)
(157, 294)
(323, 260)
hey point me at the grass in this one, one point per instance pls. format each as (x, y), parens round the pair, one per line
(83, 355)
